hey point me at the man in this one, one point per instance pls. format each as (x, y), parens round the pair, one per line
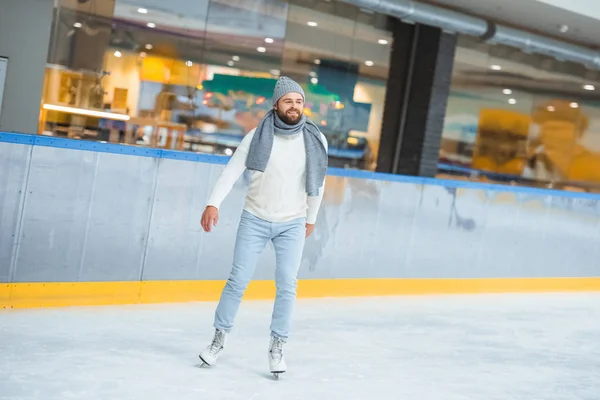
(286, 155)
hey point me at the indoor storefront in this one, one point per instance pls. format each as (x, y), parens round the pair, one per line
(143, 73)
(197, 76)
(522, 118)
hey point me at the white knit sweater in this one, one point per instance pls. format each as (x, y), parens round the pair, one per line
(279, 193)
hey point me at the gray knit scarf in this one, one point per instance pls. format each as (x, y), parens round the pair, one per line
(262, 143)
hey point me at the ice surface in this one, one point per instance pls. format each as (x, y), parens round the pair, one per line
(541, 347)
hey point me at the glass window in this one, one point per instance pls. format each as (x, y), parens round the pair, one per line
(523, 118)
(197, 76)
(342, 54)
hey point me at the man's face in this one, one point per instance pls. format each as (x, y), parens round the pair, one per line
(289, 108)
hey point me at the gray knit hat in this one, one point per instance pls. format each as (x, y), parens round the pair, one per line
(284, 86)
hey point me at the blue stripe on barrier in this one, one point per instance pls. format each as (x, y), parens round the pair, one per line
(378, 176)
(18, 138)
(99, 147)
(190, 156)
(75, 144)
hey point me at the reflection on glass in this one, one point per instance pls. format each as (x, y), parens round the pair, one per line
(531, 121)
(329, 56)
(197, 76)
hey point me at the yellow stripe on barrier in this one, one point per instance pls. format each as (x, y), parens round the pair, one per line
(57, 294)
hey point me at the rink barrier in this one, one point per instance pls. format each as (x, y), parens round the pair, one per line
(91, 223)
(113, 148)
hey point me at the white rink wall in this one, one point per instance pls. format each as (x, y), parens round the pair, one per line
(75, 211)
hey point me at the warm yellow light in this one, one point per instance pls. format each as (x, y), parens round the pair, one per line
(90, 113)
(352, 140)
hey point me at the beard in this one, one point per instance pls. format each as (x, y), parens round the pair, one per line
(291, 116)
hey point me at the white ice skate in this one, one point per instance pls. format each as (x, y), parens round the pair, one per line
(211, 353)
(276, 361)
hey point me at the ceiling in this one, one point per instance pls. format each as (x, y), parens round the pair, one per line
(542, 16)
(215, 31)
(583, 7)
(533, 15)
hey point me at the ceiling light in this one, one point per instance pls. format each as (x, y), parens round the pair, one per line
(382, 41)
(589, 87)
(314, 81)
(551, 108)
(261, 49)
(269, 40)
(496, 67)
(275, 72)
(143, 54)
(189, 63)
(230, 63)
(151, 25)
(512, 101)
(317, 61)
(149, 46)
(118, 54)
(77, 24)
(235, 58)
(311, 23)
(507, 91)
(574, 105)
(564, 28)
(142, 10)
(313, 74)
(369, 63)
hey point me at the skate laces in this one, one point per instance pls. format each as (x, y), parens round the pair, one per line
(217, 343)
(277, 349)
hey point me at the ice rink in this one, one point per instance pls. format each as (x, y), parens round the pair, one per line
(487, 347)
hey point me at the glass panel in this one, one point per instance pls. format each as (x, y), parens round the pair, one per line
(521, 118)
(244, 42)
(199, 75)
(124, 72)
(341, 55)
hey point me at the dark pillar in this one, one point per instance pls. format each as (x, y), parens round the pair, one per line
(417, 91)
(395, 94)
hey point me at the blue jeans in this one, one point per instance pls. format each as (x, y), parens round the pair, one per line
(252, 237)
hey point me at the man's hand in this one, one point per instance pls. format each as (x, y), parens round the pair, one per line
(210, 217)
(309, 229)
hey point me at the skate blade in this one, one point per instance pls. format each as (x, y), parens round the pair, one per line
(276, 374)
(204, 363)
